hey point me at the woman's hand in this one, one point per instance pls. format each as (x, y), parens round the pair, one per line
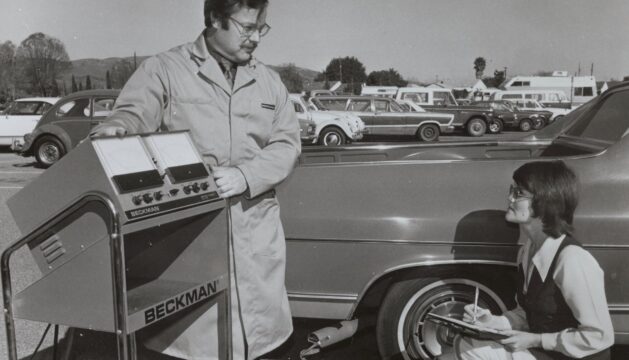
(483, 316)
(520, 340)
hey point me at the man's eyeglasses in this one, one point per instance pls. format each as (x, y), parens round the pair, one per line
(517, 193)
(247, 30)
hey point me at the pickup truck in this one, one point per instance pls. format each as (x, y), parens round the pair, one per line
(414, 228)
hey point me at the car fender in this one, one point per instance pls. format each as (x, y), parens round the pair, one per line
(419, 266)
(324, 120)
(56, 131)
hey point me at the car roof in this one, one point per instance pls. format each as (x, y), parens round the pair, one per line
(50, 100)
(93, 92)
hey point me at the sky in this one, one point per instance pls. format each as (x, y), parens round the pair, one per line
(423, 40)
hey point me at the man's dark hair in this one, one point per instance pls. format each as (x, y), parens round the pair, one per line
(555, 190)
(223, 9)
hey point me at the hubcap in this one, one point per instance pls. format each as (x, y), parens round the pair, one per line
(49, 153)
(332, 139)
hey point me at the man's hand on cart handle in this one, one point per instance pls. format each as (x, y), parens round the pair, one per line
(109, 130)
(230, 181)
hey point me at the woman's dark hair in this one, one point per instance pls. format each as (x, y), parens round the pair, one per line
(555, 190)
(223, 9)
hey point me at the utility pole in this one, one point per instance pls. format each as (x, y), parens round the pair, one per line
(505, 73)
(341, 72)
(592, 70)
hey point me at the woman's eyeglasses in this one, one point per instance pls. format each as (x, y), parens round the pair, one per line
(247, 30)
(517, 193)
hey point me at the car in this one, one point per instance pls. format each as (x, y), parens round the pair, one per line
(67, 123)
(534, 105)
(408, 229)
(383, 116)
(20, 117)
(510, 116)
(329, 128)
(410, 106)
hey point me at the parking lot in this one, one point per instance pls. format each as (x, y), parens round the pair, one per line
(16, 172)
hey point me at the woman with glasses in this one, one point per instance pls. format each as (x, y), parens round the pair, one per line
(561, 308)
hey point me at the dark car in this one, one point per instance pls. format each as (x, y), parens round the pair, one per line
(67, 123)
(417, 228)
(510, 116)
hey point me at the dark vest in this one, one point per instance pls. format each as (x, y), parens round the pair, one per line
(545, 307)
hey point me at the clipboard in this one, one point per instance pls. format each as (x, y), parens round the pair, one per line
(467, 329)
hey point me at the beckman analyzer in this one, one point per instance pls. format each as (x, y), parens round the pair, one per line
(126, 232)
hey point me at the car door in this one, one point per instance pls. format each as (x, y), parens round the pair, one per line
(303, 117)
(362, 108)
(21, 118)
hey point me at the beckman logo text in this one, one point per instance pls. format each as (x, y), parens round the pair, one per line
(148, 210)
(182, 301)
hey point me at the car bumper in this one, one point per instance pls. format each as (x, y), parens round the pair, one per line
(17, 145)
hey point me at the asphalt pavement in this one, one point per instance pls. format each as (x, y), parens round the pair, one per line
(16, 172)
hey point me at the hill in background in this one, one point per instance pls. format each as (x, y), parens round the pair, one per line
(97, 70)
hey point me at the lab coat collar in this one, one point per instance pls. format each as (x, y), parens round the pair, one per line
(210, 69)
(543, 259)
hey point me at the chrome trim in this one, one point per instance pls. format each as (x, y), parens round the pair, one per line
(321, 296)
(618, 307)
(119, 289)
(387, 241)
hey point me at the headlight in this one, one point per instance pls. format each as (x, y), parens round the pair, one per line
(311, 129)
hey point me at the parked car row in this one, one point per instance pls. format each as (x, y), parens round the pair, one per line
(327, 120)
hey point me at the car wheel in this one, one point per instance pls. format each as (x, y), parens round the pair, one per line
(495, 126)
(401, 329)
(428, 132)
(558, 117)
(538, 123)
(331, 136)
(48, 150)
(476, 127)
(526, 125)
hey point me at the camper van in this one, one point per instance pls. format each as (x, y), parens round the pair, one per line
(426, 96)
(386, 91)
(554, 98)
(577, 89)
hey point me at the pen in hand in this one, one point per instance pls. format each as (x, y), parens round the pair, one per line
(475, 305)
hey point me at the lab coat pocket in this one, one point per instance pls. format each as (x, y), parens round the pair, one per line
(260, 118)
(267, 235)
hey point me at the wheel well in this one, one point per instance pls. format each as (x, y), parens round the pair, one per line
(477, 117)
(333, 126)
(486, 274)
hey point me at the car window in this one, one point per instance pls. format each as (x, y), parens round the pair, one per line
(334, 104)
(443, 97)
(24, 108)
(103, 106)
(359, 105)
(74, 108)
(381, 105)
(421, 98)
(512, 96)
(608, 123)
(298, 107)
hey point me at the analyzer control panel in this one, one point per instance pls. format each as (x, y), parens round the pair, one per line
(155, 174)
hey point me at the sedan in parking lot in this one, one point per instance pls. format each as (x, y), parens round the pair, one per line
(20, 117)
(66, 124)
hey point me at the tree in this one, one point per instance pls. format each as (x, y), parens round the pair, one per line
(479, 66)
(348, 70)
(75, 88)
(41, 59)
(80, 86)
(291, 78)
(120, 73)
(386, 78)
(88, 83)
(7, 71)
(107, 80)
(496, 80)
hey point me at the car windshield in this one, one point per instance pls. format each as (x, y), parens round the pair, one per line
(590, 128)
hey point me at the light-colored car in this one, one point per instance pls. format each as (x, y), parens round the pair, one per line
(331, 128)
(20, 118)
(531, 104)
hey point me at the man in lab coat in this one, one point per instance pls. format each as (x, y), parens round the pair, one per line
(240, 118)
